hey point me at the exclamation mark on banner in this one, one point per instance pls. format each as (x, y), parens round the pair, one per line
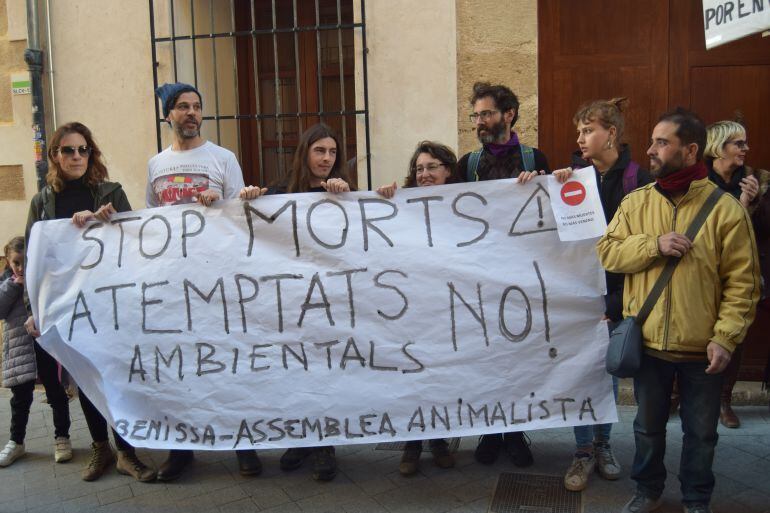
(540, 222)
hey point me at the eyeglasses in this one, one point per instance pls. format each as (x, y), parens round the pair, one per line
(184, 107)
(427, 169)
(69, 151)
(740, 144)
(484, 115)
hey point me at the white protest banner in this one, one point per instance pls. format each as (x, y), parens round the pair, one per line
(577, 206)
(314, 319)
(728, 20)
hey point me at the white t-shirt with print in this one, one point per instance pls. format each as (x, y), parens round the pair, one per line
(175, 177)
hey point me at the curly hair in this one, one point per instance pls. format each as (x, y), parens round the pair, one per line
(607, 113)
(438, 151)
(504, 98)
(96, 172)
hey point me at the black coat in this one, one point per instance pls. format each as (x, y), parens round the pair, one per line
(611, 193)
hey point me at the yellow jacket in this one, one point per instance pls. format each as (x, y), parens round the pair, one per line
(713, 293)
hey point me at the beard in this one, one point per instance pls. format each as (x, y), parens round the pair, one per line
(187, 133)
(493, 133)
(658, 169)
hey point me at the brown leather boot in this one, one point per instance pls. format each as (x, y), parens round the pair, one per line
(129, 465)
(101, 458)
(727, 416)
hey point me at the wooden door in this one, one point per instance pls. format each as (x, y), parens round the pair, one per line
(654, 53)
(593, 49)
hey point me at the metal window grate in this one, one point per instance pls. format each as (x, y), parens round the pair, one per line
(293, 65)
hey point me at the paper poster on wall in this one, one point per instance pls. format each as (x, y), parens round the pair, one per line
(728, 20)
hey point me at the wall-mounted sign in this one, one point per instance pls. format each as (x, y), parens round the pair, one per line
(728, 20)
(20, 83)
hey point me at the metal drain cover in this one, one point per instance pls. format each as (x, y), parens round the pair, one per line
(454, 444)
(531, 493)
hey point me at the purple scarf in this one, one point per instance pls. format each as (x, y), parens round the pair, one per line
(498, 150)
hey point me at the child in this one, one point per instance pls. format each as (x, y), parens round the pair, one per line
(23, 360)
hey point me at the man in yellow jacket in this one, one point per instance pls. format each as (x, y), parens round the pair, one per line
(701, 316)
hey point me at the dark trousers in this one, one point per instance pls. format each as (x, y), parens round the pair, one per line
(97, 425)
(699, 412)
(21, 399)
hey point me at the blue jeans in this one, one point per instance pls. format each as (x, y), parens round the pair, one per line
(699, 412)
(585, 435)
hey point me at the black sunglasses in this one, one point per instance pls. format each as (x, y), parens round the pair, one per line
(69, 151)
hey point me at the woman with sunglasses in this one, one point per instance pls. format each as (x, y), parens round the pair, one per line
(318, 166)
(725, 156)
(432, 163)
(77, 188)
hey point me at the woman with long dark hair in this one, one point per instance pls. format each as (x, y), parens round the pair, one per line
(77, 189)
(318, 166)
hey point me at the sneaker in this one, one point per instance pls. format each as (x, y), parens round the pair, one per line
(293, 458)
(576, 478)
(517, 447)
(129, 465)
(11, 453)
(62, 449)
(442, 456)
(641, 504)
(324, 463)
(606, 463)
(101, 459)
(488, 449)
(696, 508)
(410, 459)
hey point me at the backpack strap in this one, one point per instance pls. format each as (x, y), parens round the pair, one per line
(630, 177)
(473, 166)
(527, 157)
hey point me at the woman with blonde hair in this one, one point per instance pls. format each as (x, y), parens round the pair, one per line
(77, 189)
(725, 156)
(600, 126)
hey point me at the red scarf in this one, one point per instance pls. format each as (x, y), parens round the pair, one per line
(679, 181)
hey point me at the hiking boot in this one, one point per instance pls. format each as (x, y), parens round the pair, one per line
(173, 467)
(248, 463)
(606, 464)
(442, 456)
(129, 465)
(696, 508)
(10, 453)
(293, 458)
(410, 459)
(640, 503)
(727, 416)
(576, 478)
(488, 449)
(62, 449)
(517, 447)
(324, 464)
(101, 458)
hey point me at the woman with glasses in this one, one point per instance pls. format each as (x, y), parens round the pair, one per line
(77, 189)
(431, 164)
(725, 156)
(599, 127)
(318, 166)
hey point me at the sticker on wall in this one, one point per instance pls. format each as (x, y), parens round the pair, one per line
(20, 83)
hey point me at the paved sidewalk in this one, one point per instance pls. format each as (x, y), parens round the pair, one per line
(368, 481)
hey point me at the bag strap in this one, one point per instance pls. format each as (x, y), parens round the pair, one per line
(527, 157)
(668, 270)
(473, 165)
(630, 177)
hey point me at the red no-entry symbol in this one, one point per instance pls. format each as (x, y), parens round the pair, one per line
(573, 193)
